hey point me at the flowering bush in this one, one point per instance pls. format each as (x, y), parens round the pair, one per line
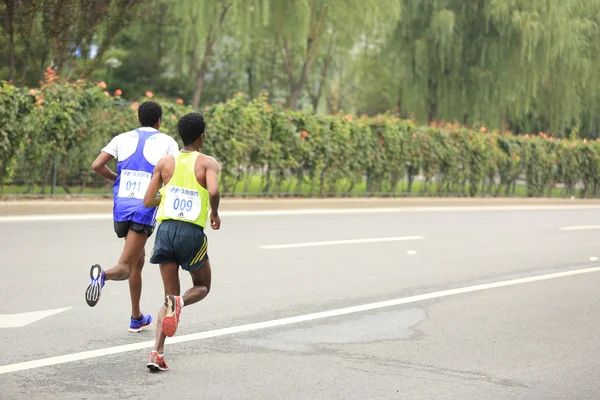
(67, 124)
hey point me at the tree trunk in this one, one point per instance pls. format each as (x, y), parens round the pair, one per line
(250, 75)
(432, 107)
(432, 112)
(208, 52)
(200, 75)
(294, 95)
(312, 49)
(8, 25)
(272, 74)
(399, 102)
(316, 98)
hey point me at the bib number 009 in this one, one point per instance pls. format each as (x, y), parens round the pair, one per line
(182, 204)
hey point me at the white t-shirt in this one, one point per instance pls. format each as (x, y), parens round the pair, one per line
(123, 146)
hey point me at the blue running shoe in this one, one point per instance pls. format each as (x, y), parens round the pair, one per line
(138, 325)
(94, 290)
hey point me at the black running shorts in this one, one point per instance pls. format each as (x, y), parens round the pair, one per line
(122, 227)
(182, 243)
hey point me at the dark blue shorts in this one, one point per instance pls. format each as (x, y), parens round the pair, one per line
(182, 243)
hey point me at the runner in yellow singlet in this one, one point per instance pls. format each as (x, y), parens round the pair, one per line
(191, 184)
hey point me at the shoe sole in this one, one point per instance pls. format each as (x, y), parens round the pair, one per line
(169, 325)
(138, 330)
(94, 290)
(154, 367)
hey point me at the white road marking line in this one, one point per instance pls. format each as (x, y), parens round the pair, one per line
(55, 217)
(67, 358)
(23, 319)
(337, 242)
(579, 228)
(312, 211)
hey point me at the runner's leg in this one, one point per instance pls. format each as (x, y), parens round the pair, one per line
(134, 246)
(135, 286)
(201, 280)
(132, 251)
(170, 276)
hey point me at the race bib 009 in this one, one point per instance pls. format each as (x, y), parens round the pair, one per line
(133, 184)
(182, 204)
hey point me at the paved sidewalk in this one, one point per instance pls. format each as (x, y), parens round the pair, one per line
(78, 206)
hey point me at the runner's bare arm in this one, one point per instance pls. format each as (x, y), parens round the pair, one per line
(152, 198)
(212, 183)
(99, 166)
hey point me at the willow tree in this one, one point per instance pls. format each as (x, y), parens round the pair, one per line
(203, 24)
(497, 61)
(555, 48)
(59, 32)
(308, 30)
(441, 45)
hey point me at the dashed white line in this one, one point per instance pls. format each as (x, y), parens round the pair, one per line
(579, 228)
(67, 358)
(340, 242)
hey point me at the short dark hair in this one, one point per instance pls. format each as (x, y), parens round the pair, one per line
(149, 112)
(191, 126)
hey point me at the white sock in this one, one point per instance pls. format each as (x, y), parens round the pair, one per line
(181, 301)
(162, 355)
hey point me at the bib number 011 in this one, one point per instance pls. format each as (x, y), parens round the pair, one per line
(134, 184)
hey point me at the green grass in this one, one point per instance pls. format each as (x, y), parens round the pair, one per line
(59, 190)
(253, 185)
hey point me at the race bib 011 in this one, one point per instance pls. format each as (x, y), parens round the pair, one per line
(182, 204)
(134, 184)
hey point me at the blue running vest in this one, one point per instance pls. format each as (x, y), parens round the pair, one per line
(133, 176)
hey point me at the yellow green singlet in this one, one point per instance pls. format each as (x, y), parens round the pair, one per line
(182, 198)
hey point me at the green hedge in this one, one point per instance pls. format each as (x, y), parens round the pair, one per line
(266, 150)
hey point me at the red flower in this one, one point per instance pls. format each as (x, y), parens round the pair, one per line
(304, 134)
(179, 101)
(118, 92)
(135, 105)
(102, 85)
(149, 94)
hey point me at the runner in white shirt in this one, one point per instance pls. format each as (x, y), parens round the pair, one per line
(137, 153)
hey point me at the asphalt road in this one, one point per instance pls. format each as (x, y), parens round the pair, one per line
(528, 340)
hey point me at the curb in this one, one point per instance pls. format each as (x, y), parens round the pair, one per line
(42, 207)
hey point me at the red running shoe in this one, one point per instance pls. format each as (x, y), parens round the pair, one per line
(156, 362)
(169, 325)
